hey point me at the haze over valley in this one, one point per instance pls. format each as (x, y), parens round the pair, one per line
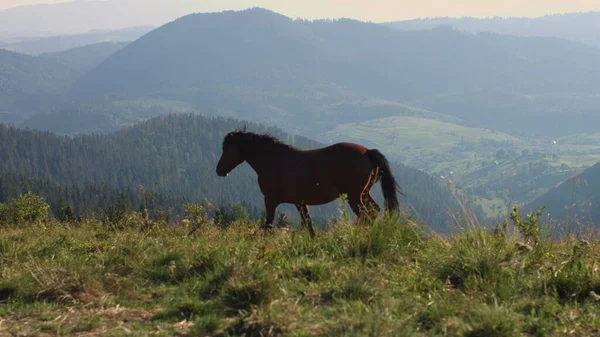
(500, 110)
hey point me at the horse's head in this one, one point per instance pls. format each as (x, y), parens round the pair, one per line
(232, 152)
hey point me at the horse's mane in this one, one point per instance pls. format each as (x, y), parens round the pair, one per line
(264, 140)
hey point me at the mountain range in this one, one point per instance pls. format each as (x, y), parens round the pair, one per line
(309, 76)
(271, 68)
(60, 43)
(82, 16)
(579, 27)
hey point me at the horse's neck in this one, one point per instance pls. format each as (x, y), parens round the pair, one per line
(263, 162)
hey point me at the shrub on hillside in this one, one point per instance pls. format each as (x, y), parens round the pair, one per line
(225, 216)
(4, 214)
(195, 213)
(531, 229)
(29, 208)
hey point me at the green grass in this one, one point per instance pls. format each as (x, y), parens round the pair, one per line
(388, 278)
(424, 140)
(406, 135)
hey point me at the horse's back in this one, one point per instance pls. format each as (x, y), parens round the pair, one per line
(346, 154)
(347, 147)
(345, 164)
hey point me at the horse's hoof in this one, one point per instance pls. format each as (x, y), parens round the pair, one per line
(268, 228)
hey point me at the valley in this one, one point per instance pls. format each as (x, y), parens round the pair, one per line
(500, 169)
(480, 113)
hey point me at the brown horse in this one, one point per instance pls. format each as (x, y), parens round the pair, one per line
(314, 177)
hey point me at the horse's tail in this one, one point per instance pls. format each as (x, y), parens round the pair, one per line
(389, 186)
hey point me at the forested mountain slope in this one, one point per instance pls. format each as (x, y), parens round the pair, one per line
(177, 155)
(27, 80)
(78, 200)
(574, 202)
(99, 116)
(87, 57)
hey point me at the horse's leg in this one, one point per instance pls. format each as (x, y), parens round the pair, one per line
(306, 219)
(270, 208)
(359, 202)
(355, 202)
(371, 207)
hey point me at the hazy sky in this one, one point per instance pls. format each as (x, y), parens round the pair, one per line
(374, 10)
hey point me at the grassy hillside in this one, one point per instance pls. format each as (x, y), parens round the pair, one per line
(434, 144)
(420, 140)
(384, 279)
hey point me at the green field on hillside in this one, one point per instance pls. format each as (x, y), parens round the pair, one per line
(417, 139)
(135, 276)
(500, 168)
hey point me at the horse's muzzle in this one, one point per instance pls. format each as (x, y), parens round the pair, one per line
(222, 174)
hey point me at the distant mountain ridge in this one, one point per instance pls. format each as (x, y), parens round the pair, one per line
(80, 16)
(580, 27)
(61, 43)
(87, 57)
